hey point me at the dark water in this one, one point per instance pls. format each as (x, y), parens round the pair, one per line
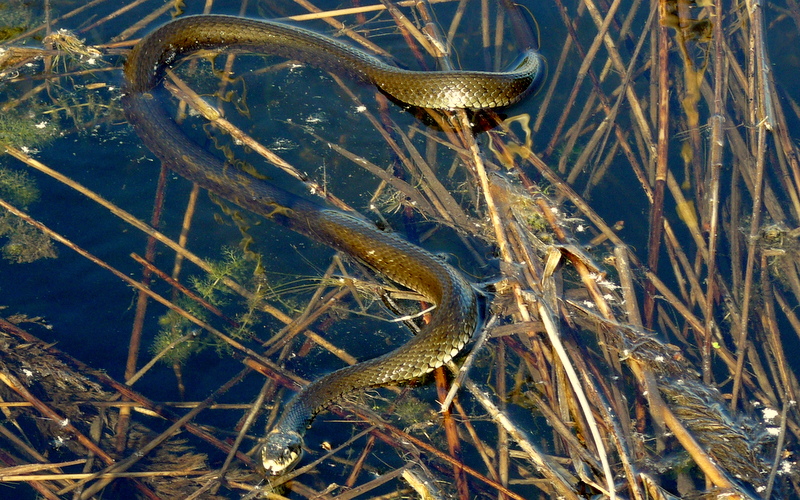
(89, 312)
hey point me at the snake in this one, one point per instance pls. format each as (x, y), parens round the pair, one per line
(456, 315)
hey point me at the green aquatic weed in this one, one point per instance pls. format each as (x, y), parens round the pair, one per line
(26, 131)
(175, 326)
(24, 243)
(15, 19)
(211, 287)
(17, 187)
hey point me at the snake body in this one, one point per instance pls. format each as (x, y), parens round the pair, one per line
(456, 316)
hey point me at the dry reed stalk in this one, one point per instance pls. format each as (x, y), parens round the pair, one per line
(760, 155)
(141, 23)
(141, 309)
(113, 15)
(715, 166)
(660, 163)
(64, 476)
(339, 27)
(452, 435)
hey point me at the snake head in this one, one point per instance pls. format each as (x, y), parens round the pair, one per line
(280, 452)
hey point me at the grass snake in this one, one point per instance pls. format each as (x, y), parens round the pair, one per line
(456, 315)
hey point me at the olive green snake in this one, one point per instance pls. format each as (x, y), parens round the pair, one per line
(456, 315)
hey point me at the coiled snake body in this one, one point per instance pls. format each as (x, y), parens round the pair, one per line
(456, 315)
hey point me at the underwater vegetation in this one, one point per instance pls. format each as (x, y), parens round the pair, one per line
(178, 337)
(22, 243)
(26, 131)
(15, 18)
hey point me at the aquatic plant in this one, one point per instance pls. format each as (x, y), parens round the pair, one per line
(15, 18)
(27, 131)
(179, 336)
(24, 243)
(170, 339)
(17, 187)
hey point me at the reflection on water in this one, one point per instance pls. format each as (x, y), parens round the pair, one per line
(651, 321)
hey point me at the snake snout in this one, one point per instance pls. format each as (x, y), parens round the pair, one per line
(280, 452)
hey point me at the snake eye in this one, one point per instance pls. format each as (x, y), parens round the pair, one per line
(280, 453)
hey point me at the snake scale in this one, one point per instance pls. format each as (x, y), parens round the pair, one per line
(456, 316)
